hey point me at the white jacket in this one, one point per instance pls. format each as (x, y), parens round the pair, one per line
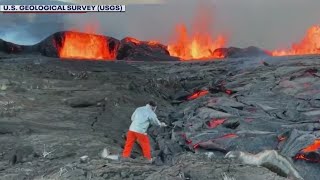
(141, 119)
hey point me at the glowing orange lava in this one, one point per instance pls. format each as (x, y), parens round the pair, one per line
(198, 42)
(195, 46)
(310, 44)
(78, 45)
(198, 94)
(311, 148)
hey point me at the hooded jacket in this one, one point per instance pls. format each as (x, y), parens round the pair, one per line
(142, 118)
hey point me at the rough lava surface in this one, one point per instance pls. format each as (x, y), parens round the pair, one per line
(53, 112)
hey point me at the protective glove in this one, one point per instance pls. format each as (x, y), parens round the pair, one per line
(163, 124)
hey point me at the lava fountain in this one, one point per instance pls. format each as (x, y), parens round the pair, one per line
(195, 46)
(310, 44)
(76, 45)
(197, 43)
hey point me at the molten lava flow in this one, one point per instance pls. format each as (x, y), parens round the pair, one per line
(215, 123)
(197, 94)
(195, 46)
(77, 45)
(315, 147)
(310, 44)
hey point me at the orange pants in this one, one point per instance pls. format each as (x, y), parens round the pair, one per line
(143, 141)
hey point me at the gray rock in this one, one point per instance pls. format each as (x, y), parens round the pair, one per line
(207, 113)
(231, 123)
(23, 154)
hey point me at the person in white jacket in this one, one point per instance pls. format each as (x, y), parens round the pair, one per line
(141, 120)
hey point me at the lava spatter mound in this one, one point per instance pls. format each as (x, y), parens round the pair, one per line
(88, 46)
(75, 45)
(133, 49)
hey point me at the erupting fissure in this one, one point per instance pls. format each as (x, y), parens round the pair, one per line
(195, 46)
(310, 44)
(197, 42)
(78, 45)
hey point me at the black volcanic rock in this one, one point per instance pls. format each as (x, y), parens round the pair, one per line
(113, 44)
(234, 52)
(12, 48)
(133, 49)
(9, 47)
(49, 46)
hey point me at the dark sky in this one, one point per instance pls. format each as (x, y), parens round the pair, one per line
(265, 23)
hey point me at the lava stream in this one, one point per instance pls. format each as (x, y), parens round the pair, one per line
(197, 94)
